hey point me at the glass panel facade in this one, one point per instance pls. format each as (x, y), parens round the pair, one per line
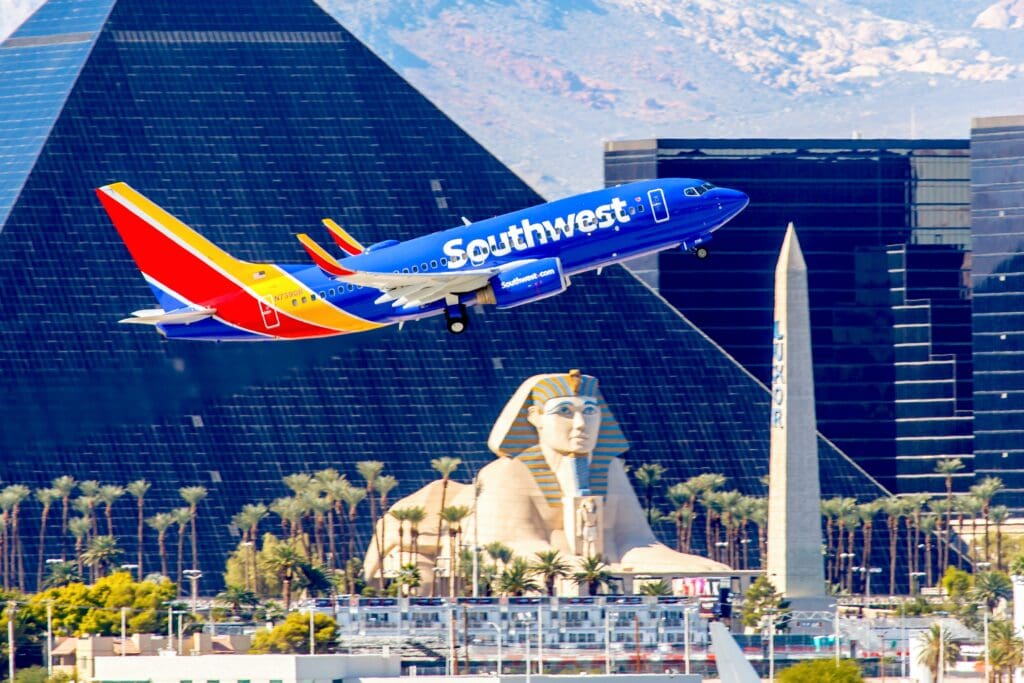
(251, 120)
(997, 229)
(849, 200)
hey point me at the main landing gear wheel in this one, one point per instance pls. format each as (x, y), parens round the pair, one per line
(457, 318)
(701, 253)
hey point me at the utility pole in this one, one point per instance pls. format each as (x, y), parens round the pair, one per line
(124, 630)
(312, 633)
(11, 606)
(49, 638)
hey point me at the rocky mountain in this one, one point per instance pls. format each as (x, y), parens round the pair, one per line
(543, 83)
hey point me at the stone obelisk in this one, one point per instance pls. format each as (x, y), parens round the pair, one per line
(795, 564)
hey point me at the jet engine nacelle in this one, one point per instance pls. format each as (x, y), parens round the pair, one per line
(524, 284)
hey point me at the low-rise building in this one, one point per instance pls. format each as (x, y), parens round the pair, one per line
(245, 668)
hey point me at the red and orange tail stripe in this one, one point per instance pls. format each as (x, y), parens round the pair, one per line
(348, 244)
(168, 251)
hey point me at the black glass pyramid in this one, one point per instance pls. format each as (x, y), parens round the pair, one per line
(251, 120)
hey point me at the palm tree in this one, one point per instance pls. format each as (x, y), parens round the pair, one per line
(46, 497)
(991, 587)
(445, 466)
(927, 526)
(659, 587)
(330, 483)
(550, 566)
(18, 493)
(285, 561)
(929, 654)
(683, 497)
(161, 522)
(385, 484)
(250, 517)
(192, 495)
(985, 491)
(6, 503)
(998, 515)
(237, 597)
(947, 467)
(913, 505)
(79, 528)
(319, 506)
(102, 554)
(401, 515)
(594, 574)
(867, 512)
(90, 491)
(409, 578)
(299, 482)
(138, 490)
(970, 506)
(61, 574)
(648, 475)
(109, 494)
(415, 516)
(760, 518)
(830, 510)
(705, 484)
(182, 517)
(86, 507)
(893, 509)
(453, 516)
(515, 580)
(353, 495)
(65, 486)
(1006, 650)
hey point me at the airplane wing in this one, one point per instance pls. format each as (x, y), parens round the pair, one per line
(419, 289)
(403, 289)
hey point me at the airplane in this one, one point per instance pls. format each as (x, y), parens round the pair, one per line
(517, 258)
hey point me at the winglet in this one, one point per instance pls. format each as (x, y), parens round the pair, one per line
(321, 258)
(344, 240)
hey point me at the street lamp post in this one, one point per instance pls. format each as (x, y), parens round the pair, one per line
(497, 632)
(686, 638)
(193, 575)
(607, 641)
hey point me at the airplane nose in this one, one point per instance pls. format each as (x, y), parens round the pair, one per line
(735, 200)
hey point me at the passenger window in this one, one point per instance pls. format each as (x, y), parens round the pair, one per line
(331, 291)
(405, 270)
(295, 302)
(312, 297)
(632, 210)
(444, 261)
(303, 299)
(415, 269)
(351, 288)
(322, 295)
(640, 208)
(433, 263)
(423, 267)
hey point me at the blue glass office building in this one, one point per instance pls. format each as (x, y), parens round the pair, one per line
(884, 224)
(251, 120)
(997, 231)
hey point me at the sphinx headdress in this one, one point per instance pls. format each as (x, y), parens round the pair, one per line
(512, 432)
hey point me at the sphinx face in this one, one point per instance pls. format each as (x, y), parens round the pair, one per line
(567, 424)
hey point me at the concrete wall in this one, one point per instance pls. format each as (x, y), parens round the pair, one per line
(253, 668)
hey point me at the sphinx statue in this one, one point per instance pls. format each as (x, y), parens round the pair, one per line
(557, 483)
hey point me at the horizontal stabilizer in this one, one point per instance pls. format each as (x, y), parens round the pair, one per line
(348, 244)
(158, 316)
(321, 258)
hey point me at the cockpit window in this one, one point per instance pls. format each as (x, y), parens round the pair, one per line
(698, 190)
